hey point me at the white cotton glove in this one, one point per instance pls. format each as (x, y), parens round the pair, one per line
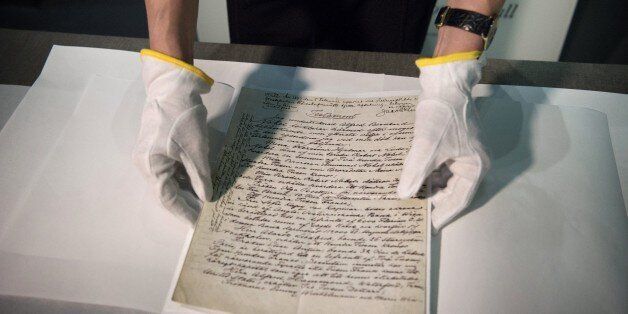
(174, 132)
(445, 132)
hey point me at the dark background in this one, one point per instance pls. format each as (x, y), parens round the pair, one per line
(597, 33)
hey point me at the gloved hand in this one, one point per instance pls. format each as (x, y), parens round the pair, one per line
(173, 132)
(445, 132)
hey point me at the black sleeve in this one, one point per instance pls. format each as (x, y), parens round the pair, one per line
(366, 25)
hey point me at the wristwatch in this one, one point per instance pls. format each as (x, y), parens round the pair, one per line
(470, 21)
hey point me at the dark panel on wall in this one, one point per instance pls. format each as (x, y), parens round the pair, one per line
(598, 33)
(99, 17)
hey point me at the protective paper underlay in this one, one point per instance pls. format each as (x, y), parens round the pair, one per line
(86, 219)
(547, 231)
(30, 134)
(515, 251)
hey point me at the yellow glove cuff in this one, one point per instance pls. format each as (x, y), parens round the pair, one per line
(164, 57)
(460, 56)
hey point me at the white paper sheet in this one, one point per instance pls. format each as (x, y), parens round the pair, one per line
(332, 81)
(615, 106)
(504, 235)
(29, 135)
(547, 231)
(87, 220)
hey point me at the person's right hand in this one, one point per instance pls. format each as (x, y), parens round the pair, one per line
(174, 130)
(446, 133)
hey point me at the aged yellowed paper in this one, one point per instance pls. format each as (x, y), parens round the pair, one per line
(305, 217)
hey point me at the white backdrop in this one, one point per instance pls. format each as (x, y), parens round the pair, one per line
(213, 24)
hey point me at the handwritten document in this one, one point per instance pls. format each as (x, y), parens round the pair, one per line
(305, 217)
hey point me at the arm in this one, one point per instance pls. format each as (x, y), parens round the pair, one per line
(173, 130)
(172, 27)
(452, 40)
(445, 131)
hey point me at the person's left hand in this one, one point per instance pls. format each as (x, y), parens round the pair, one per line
(174, 133)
